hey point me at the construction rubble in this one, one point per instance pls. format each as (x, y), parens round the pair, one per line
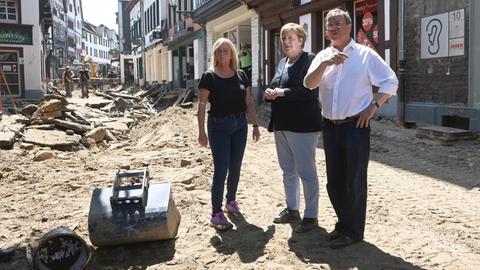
(104, 120)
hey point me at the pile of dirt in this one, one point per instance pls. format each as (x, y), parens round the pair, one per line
(172, 125)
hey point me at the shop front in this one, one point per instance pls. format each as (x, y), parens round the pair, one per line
(13, 38)
(373, 23)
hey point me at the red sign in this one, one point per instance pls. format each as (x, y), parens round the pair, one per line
(367, 21)
(363, 6)
(362, 38)
(375, 33)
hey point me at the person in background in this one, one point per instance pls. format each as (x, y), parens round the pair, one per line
(346, 72)
(228, 90)
(296, 121)
(68, 81)
(245, 58)
(84, 80)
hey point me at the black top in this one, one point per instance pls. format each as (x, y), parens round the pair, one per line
(227, 95)
(84, 75)
(299, 109)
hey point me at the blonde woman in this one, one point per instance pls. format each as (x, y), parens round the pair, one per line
(295, 121)
(227, 88)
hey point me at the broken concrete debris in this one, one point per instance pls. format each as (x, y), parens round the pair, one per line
(105, 118)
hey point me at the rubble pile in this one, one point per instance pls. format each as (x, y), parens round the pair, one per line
(104, 120)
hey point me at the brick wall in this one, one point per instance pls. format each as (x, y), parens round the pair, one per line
(437, 80)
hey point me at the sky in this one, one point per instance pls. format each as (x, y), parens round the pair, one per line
(99, 12)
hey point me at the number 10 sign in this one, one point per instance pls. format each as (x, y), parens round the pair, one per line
(443, 35)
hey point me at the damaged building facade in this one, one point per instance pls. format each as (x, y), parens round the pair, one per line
(436, 87)
(24, 27)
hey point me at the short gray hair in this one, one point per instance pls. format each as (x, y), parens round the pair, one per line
(336, 12)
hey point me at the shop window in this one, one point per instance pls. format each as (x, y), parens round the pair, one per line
(277, 50)
(366, 23)
(8, 11)
(232, 35)
(11, 71)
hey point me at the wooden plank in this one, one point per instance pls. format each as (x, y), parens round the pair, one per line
(78, 128)
(446, 134)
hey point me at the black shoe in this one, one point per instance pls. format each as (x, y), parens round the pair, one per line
(333, 235)
(287, 216)
(343, 241)
(6, 254)
(306, 225)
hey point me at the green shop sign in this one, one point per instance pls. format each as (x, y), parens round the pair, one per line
(16, 34)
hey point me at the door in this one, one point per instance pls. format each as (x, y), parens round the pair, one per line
(11, 73)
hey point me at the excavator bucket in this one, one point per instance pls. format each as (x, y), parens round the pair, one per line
(133, 213)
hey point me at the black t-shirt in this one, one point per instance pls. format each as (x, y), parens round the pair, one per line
(227, 95)
(84, 75)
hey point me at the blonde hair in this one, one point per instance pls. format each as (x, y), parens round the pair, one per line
(335, 12)
(233, 53)
(296, 29)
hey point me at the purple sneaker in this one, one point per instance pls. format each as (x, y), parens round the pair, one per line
(220, 222)
(232, 208)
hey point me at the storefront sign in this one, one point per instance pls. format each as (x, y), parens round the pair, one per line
(16, 34)
(366, 23)
(443, 35)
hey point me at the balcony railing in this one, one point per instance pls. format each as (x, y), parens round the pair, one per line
(199, 3)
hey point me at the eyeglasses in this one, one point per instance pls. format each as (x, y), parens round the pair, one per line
(222, 51)
(335, 25)
(288, 38)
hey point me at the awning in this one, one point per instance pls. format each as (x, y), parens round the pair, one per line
(185, 39)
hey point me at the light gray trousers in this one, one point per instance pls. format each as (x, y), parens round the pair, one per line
(296, 156)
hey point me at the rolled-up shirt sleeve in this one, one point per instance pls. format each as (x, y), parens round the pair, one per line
(382, 75)
(315, 63)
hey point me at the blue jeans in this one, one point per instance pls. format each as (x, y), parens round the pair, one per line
(227, 137)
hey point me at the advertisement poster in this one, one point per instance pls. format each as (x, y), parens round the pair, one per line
(366, 23)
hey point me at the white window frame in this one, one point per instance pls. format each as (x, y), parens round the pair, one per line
(4, 5)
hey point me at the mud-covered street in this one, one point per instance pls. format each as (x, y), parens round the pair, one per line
(422, 207)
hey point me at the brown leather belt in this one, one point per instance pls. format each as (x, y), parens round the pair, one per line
(228, 116)
(343, 121)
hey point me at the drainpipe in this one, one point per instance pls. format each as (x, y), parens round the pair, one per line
(401, 63)
(142, 41)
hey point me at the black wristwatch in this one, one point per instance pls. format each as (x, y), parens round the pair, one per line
(374, 102)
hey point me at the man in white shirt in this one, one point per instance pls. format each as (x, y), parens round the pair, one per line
(345, 73)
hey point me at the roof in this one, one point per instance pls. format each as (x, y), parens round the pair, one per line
(89, 27)
(99, 30)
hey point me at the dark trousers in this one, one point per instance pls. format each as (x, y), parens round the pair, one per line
(84, 85)
(347, 151)
(227, 137)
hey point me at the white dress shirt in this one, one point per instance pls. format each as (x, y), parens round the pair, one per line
(346, 89)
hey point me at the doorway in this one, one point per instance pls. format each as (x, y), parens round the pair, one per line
(9, 64)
